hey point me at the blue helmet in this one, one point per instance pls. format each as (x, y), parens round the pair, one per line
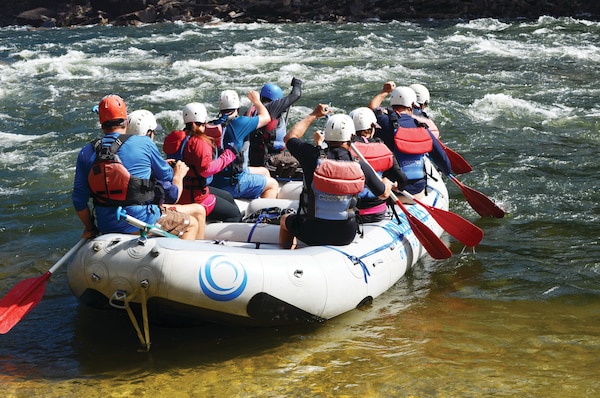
(271, 91)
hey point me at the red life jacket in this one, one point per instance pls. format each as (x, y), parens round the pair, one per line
(175, 142)
(413, 140)
(378, 155)
(339, 177)
(174, 146)
(430, 124)
(111, 183)
(335, 186)
(216, 132)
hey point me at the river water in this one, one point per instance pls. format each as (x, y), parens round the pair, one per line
(519, 317)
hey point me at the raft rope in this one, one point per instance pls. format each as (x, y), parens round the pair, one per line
(121, 295)
(437, 196)
(394, 233)
(269, 215)
(391, 206)
(356, 261)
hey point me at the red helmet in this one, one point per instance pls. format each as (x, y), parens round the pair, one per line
(112, 107)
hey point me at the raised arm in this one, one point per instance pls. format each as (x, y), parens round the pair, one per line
(300, 128)
(378, 99)
(263, 114)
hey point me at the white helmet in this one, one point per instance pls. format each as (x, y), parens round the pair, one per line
(403, 96)
(140, 122)
(229, 99)
(194, 112)
(339, 128)
(363, 118)
(422, 93)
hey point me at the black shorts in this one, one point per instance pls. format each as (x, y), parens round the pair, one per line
(316, 232)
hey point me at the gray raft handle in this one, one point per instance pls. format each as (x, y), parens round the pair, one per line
(118, 295)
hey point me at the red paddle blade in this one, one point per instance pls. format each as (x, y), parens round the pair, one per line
(20, 300)
(428, 239)
(479, 202)
(458, 164)
(458, 227)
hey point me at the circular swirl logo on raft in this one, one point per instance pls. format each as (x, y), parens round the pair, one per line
(222, 279)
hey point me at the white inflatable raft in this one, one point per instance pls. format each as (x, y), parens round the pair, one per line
(240, 276)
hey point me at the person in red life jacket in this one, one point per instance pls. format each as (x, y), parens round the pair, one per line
(142, 122)
(332, 180)
(238, 178)
(268, 140)
(409, 142)
(380, 157)
(419, 108)
(200, 152)
(116, 170)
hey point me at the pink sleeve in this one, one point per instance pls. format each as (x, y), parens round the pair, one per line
(219, 163)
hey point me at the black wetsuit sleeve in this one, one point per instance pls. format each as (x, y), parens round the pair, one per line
(277, 107)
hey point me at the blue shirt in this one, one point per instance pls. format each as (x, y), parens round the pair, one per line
(142, 158)
(237, 131)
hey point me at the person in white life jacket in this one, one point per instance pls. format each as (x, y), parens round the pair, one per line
(332, 179)
(419, 106)
(380, 157)
(143, 122)
(407, 138)
(124, 180)
(268, 140)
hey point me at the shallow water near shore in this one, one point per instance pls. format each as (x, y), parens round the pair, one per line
(519, 317)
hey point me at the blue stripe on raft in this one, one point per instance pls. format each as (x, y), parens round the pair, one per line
(438, 194)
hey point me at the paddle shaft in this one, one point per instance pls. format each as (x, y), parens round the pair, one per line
(287, 114)
(123, 216)
(67, 255)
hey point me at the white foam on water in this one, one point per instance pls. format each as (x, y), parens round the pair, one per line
(492, 106)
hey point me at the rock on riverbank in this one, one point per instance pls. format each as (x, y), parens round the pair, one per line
(63, 13)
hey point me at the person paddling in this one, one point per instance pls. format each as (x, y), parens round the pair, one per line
(326, 215)
(409, 141)
(419, 106)
(380, 157)
(200, 151)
